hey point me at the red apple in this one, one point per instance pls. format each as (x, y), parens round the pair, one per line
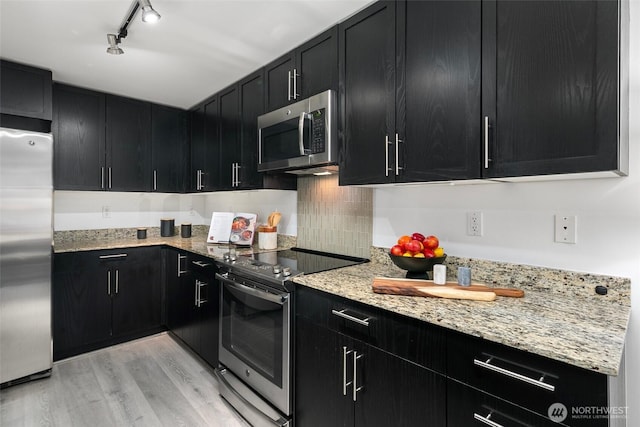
(428, 253)
(397, 250)
(431, 242)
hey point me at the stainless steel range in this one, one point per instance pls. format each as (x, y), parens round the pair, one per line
(256, 312)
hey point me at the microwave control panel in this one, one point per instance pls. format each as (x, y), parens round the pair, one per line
(318, 131)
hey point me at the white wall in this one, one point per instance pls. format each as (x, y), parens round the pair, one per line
(519, 224)
(80, 210)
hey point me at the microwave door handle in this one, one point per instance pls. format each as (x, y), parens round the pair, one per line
(303, 116)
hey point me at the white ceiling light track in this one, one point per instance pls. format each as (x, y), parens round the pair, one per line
(149, 15)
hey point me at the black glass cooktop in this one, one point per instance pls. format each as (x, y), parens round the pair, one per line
(307, 261)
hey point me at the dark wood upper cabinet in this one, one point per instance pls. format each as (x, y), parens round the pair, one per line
(170, 149)
(25, 97)
(308, 70)
(438, 90)
(367, 95)
(205, 145)
(79, 133)
(128, 124)
(551, 86)
(229, 137)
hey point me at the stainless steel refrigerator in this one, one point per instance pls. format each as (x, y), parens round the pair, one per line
(26, 236)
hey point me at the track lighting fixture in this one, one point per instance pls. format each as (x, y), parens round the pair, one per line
(113, 48)
(148, 12)
(149, 15)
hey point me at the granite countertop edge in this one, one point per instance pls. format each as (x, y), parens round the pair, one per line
(578, 330)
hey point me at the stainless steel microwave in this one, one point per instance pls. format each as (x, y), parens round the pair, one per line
(301, 137)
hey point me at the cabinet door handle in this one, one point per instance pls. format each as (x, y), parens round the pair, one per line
(345, 384)
(102, 177)
(196, 296)
(200, 285)
(109, 282)
(233, 174)
(539, 383)
(115, 256)
(295, 84)
(398, 168)
(237, 174)
(486, 420)
(180, 271)
(356, 389)
(110, 178)
(486, 142)
(289, 85)
(386, 155)
(155, 180)
(341, 313)
(117, 279)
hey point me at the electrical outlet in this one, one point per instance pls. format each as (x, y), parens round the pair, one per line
(474, 223)
(106, 212)
(566, 231)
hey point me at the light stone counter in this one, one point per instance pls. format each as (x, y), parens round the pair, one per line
(560, 316)
(562, 321)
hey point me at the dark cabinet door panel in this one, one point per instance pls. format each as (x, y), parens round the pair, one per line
(170, 148)
(439, 90)
(367, 75)
(211, 167)
(396, 392)
(128, 144)
(251, 106)
(198, 147)
(317, 64)
(25, 91)
(279, 81)
(79, 135)
(137, 297)
(81, 303)
(555, 81)
(319, 376)
(229, 137)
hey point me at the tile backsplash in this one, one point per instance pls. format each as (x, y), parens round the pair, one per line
(333, 218)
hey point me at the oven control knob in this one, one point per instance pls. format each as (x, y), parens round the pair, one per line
(277, 269)
(247, 373)
(286, 271)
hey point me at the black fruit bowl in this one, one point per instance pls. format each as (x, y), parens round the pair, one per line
(417, 268)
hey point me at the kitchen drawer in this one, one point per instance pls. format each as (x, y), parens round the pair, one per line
(467, 406)
(528, 380)
(407, 338)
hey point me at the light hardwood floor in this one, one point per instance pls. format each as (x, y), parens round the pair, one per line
(153, 381)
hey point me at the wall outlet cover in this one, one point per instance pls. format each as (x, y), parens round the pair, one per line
(566, 228)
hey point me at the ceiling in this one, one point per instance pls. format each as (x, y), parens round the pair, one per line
(196, 49)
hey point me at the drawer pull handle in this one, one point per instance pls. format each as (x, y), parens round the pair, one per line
(201, 263)
(486, 420)
(539, 383)
(113, 256)
(341, 313)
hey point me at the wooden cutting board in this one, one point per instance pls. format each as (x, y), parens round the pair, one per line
(417, 287)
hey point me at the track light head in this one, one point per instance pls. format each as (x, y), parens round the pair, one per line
(113, 48)
(149, 14)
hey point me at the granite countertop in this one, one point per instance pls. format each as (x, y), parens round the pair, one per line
(582, 330)
(560, 316)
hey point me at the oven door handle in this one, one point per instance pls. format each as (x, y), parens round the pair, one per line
(267, 296)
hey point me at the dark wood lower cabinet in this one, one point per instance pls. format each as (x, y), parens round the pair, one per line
(193, 301)
(101, 298)
(389, 390)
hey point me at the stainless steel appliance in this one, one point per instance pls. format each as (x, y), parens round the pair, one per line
(26, 235)
(300, 138)
(256, 330)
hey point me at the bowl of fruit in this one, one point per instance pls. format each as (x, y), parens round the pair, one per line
(417, 254)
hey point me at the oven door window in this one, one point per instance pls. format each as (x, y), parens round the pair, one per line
(252, 330)
(282, 140)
